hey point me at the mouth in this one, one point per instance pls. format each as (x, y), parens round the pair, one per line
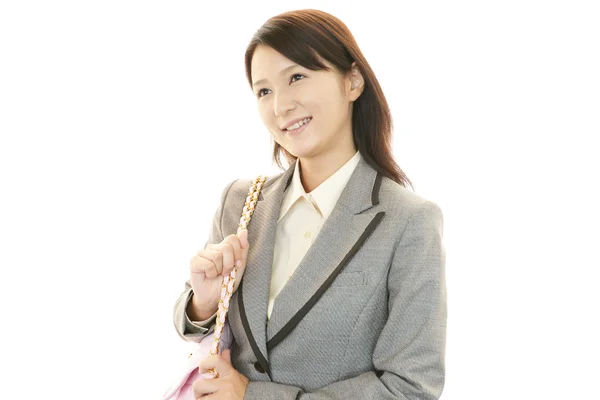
(299, 127)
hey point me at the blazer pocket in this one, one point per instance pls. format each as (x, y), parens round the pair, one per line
(349, 279)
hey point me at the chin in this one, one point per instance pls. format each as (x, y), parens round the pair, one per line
(304, 153)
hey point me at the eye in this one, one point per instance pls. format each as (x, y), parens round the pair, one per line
(260, 92)
(297, 75)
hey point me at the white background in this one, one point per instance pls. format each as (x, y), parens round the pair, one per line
(121, 122)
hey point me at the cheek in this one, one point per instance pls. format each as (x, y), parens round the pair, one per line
(263, 111)
(335, 106)
(320, 102)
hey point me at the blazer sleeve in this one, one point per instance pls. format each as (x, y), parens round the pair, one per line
(409, 356)
(185, 328)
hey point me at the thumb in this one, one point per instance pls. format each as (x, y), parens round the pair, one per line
(227, 355)
(243, 236)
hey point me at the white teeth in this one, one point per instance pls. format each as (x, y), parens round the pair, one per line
(298, 124)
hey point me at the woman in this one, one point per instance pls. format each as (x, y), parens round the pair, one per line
(343, 292)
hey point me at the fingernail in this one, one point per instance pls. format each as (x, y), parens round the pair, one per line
(238, 263)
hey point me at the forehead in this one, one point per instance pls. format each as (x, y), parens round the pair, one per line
(268, 63)
(265, 56)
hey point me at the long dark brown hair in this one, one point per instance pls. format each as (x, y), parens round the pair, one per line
(304, 36)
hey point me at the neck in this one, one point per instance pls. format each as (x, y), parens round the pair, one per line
(315, 170)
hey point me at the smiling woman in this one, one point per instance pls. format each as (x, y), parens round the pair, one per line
(308, 112)
(307, 64)
(342, 290)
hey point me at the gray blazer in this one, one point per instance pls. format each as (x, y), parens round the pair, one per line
(364, 314)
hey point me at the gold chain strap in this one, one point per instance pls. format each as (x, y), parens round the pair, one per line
(229, 281)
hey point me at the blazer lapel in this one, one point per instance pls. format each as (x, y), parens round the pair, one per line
(253, 293)
(342, 235)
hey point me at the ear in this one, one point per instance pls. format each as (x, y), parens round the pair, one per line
(357, 82)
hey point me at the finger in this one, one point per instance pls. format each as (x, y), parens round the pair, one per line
(217, 362)
(236, 247)
(207, 363)
(202, 263)
(213, 396)
(243, 236)
(227, 257)
(204, 386)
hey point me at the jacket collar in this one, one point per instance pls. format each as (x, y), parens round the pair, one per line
(326, 195)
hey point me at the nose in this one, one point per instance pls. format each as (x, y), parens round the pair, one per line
(283, 104)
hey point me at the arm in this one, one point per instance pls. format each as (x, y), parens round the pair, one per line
(195, 330)
(409, 354)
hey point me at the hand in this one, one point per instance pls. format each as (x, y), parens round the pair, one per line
(230, 385)
(209, 266)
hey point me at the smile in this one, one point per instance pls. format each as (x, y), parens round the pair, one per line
(298, 127)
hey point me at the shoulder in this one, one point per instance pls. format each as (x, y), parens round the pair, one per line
(242, 185)
(400, 200)
(236, 190)
(410, 210)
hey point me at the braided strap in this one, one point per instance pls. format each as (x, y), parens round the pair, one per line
(229, 281)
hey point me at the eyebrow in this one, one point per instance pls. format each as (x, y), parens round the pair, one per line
(282, 72)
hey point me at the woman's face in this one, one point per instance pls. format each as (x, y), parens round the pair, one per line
(322, 100)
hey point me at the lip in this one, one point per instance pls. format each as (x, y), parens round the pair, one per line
(293, 122)
(297, 131)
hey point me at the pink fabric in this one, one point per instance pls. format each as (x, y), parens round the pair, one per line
(181, 389)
